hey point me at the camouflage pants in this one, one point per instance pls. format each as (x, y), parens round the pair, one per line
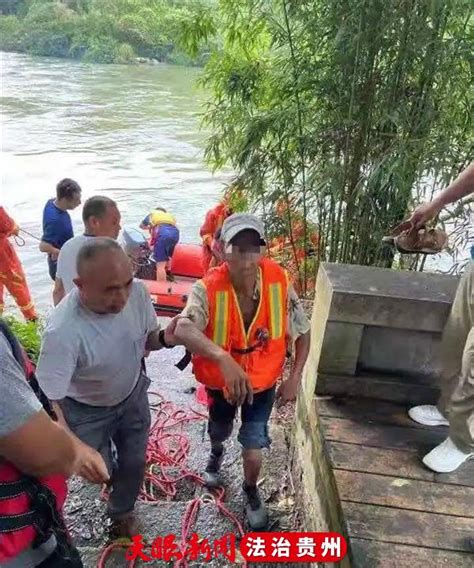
(457, 352)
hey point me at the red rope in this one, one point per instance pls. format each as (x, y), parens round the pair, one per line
(107, 552)
(168, 446)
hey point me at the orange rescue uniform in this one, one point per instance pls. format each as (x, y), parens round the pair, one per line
(12, 276)
(260, 350)
(213, 221)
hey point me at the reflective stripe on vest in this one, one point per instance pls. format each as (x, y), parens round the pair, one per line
(276, 311)
(221, 320)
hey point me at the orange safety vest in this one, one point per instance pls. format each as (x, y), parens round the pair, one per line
(261, 350)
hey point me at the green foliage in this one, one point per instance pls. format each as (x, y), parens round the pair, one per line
(28, 334)
(10, 33)
(348, 110)
(104, 31)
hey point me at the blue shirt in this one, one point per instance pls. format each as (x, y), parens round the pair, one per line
(57, 225)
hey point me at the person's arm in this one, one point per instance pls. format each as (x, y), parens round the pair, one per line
(208, 228)
(462, 186)
(8, 226)
(150, 322)
(48, 238)
(40, 447)
(236, 380)
(49, 249)
(58, 291)
(28, 437)
(299, 329)
(145, 224)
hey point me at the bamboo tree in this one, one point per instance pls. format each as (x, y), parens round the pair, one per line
(344, 109)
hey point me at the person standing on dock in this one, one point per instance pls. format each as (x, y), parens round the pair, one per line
(12, 276)
(456, 405)
(164, 238)
(57, 225)
(90, 367)
(101, 219)
(244, 313)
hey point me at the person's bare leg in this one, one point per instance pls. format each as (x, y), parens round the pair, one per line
(161, 271)
(252, 466)
(255, 509)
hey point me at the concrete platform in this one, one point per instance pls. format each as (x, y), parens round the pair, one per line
(375, 334)
(379, 319)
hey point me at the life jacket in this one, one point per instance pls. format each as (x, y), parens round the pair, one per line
(158, 217)
(29, 507)
(261, 350)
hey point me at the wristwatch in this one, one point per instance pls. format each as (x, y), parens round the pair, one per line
(161, 339)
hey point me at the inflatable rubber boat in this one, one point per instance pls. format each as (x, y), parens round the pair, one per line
(186, 266)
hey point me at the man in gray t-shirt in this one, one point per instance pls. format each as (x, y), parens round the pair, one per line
(101, 219)
(90, 366)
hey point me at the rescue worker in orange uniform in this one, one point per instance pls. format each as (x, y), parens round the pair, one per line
(12, 276)
(238, 323)
(289, 248)
(213, 222)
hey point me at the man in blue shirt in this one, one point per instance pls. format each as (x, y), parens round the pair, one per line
(57, 225)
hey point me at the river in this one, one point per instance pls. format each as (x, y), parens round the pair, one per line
(129, 132)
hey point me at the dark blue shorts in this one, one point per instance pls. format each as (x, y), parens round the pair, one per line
(253, 433)
(166, 239)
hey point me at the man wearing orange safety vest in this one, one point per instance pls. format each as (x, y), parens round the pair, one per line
(12, 276)
(238, 323)
(213, 222)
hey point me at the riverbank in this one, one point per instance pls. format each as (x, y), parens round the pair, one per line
(99, 31)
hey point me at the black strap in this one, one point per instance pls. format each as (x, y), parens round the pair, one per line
(17, 522)
(184, 361)
(12, 489)
(245, 351)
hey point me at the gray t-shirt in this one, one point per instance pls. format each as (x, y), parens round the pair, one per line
(18, 403)
(67, 261)
(95, 358)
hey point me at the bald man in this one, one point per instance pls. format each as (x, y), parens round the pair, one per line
(91, 368)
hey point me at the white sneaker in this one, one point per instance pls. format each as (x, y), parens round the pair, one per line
(446, 457)
(428, 415)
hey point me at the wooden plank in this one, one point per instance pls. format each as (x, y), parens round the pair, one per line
(376, 460)
(391, 437)
(376, 388)
(400, 526)
(372, 554)
(405, 494)
(366, 410)
(394, 462)
(462, 476)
